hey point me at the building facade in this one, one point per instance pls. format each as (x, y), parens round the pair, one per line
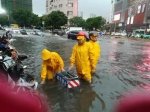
(80, 14)
(92, 15)
(132, 14)
(10, 5)
(111, 11)
(136, 14)
(69, 7)
(119, 12)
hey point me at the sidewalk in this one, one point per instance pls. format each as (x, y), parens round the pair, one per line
(129, 38)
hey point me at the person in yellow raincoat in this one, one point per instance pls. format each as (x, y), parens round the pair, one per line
(52, 64)
(95, 49)
(83, 58)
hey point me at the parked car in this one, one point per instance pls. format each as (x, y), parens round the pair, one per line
(38, 32)
(117, 33)
(123, 34)
(107, 33)
(139, 33)
(67, 31)
(29, 31)
(23, 32)
(73, 35)
(58, 32)
(47, 31)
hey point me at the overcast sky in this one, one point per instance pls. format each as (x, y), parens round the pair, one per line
(98, 7)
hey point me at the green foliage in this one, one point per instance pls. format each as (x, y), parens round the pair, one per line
(25, 18)
(56, 19)
(34, 20)
(53, 20)
(89, 23)
(77, 21)
(4, 20)
(97, 23)
(43, 18)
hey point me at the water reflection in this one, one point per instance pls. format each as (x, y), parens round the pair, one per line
(144, 64)
(82, 99)
(90, 100)
(116, 72)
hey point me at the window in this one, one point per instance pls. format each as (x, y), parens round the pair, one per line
(130, 11)
(143, 8)
(60, 5)
(69, 12)
(128, 20)
(139, 9)
(50, 8)
(116, 17)
(46, 3)
(132, 19)
(55, 7)
(70, 4)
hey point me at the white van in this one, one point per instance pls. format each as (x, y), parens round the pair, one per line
(74, 28)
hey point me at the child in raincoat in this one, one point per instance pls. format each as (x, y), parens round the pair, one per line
(82, 57)
(52, 64)
(95, 49)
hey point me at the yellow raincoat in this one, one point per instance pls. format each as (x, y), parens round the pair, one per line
(52, 63)
(96, 51)
(83, 57)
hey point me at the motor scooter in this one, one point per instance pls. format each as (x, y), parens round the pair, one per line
(15, 70)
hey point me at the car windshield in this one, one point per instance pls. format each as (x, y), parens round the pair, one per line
(37, 31)
(28, 30)
(140, 32)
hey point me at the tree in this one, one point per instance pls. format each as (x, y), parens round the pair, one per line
(77, 21)
(97, 23)
(43, 18)
(4, 20)
(56, 19)
(24, 18)
(89, 23)
(34, 20)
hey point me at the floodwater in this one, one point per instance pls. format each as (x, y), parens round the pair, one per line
(123, 67)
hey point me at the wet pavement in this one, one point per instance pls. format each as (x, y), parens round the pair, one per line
(123, 67)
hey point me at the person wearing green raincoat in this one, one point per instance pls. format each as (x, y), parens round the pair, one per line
(95, 49)
(82, 57)
(52, 64)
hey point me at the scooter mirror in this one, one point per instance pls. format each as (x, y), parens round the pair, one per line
(24, 66)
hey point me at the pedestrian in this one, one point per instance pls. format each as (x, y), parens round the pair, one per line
(82, 57)
(14, 54)
(4, 46)
(95, 48)
(52, 64)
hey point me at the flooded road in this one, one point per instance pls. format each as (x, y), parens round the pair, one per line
(123, 67)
